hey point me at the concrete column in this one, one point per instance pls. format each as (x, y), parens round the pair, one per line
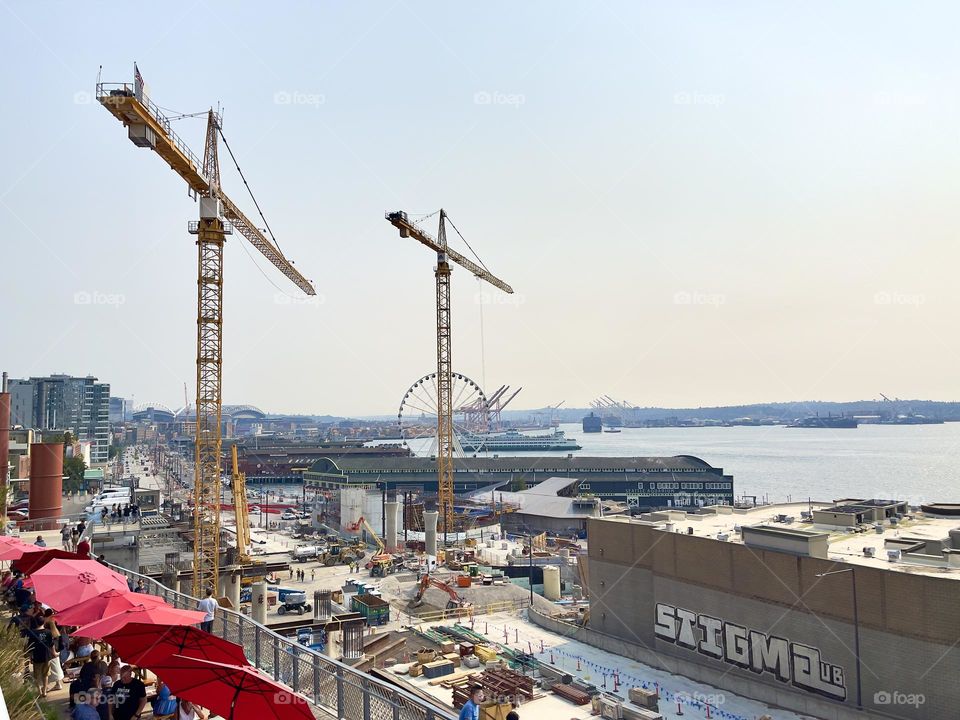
(430, 525)
(392, 510)
(259, 603)
(185, 584)
(223, 583)
(234, 589)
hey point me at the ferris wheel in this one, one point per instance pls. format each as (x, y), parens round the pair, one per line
(417, 416)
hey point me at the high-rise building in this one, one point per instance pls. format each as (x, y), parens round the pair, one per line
(63, 402)
(118, 410)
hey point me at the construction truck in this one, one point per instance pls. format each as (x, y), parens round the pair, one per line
(381, 563)
(340, 552)
(456, 600)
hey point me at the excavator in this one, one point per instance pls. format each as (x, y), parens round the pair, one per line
(382, 563)
(456, 600)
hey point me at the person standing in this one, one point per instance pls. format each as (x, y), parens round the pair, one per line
(74, 539)
(313, 574)
(41, 652)
(56, 669)
(65, 538)
(209, 606)
(129, 696)
(471, 708)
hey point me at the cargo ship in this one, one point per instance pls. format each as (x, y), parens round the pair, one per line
(592, 424)
(514, 441)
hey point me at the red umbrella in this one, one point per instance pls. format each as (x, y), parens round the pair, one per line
(63, 583)
(231, 691)
(104, 605)
(153, 614)
(32, 560)
(145, 645)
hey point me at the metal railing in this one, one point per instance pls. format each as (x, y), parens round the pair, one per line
(105, 91)
(469, 611)
(333, 688)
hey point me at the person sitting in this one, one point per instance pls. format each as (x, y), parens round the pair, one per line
(164, 703)
(84, 648)
(129, 696)
(188, 711)
(112, 675)
(40, 542)
(87, 706)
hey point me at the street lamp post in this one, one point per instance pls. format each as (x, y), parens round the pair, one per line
(856, 625)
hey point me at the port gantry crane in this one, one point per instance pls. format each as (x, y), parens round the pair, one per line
(148, 127)
(445, 256)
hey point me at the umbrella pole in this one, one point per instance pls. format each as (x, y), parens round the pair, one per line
(236, 694)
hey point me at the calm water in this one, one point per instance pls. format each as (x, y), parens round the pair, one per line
(918, 463)
(911, 462)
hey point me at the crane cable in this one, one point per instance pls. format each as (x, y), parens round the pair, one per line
(468, 245)
(249, 189)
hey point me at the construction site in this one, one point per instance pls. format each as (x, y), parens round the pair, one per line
(434, 587)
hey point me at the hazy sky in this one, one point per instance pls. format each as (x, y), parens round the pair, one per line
(696, 203)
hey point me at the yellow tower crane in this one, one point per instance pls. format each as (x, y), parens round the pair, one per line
(241, 508)
(148, 127)
(445, 256)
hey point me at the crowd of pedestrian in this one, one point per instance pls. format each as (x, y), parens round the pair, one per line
(118, 512)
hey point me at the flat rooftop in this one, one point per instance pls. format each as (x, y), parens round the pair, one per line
(844, 544)
(531, 463)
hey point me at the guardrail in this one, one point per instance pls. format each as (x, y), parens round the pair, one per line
(332, 687)
(470, 611)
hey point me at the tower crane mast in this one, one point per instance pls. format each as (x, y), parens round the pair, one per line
(148, 127)
(445, 255)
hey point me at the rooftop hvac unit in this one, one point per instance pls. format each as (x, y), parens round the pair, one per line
(878, 528)
(689, 530)
(723, 537)
(869, 552)
(894, 520)
(668, 526)
(893, 555)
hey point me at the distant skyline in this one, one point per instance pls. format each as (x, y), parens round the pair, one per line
(697, 204)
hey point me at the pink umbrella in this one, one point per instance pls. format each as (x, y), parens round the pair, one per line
(156, 614)
(13, 551)
(104, 605)
(65, 583)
